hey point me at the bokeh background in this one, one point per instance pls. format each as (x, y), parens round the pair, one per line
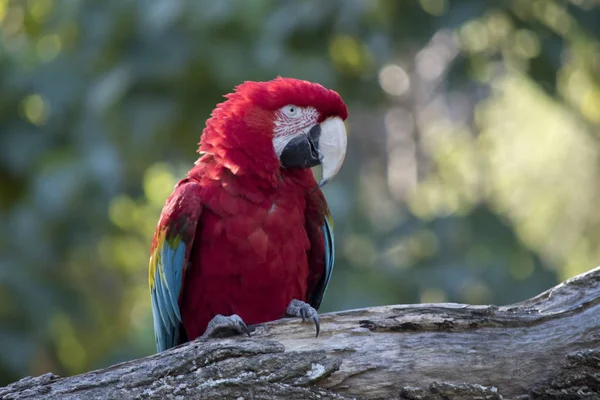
(471, 174)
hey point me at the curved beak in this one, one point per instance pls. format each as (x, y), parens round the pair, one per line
(324, 144)
(332, 148)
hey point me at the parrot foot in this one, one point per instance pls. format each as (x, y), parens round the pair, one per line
(298, 308)
(225, 324)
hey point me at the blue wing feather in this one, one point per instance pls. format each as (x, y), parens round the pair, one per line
(173, 239)
(327, 230)
(159, 323)
(173, 262)
(324, 272)
(165, 294)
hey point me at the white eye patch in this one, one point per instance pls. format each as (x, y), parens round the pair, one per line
(291, 121)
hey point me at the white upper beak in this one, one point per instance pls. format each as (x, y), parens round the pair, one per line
(332, 147)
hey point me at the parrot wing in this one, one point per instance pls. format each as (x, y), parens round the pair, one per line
(319, 227)
(170, 252)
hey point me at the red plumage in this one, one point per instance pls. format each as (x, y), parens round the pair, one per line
(257, 242)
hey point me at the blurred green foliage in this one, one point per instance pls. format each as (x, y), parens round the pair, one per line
(471, 174)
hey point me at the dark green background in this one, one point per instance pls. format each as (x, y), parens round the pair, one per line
(471, 173)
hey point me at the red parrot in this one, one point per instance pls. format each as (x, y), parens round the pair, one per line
(246, 237)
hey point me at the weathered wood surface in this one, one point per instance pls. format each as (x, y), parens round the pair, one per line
(547, 347)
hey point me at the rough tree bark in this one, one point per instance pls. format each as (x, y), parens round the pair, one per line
(547, 347)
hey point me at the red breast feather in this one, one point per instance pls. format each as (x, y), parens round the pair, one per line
(250, 253)
(249, 256)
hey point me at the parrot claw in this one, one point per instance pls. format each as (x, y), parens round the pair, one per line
(298, 308)
(223, 324)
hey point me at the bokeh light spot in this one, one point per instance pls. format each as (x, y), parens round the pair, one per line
(40, 9)
(474, 36)
(553, 15)
(13, 21)
(48, 47)
(349, 55)
(158, 183)
(394, 80)
(590, 105)
(434, 7)
(526, 43)
(121, 212)
(430, 63)
(35, 109)
(499, 26)
(3, 9)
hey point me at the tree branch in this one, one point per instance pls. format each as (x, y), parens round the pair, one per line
(547, 347)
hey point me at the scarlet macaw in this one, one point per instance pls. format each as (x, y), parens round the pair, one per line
(247, 236)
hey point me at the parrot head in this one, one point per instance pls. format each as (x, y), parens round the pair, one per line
(284, 123)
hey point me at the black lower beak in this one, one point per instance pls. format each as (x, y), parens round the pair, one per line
(302, 151)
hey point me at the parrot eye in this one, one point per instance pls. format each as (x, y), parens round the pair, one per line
(291, 111)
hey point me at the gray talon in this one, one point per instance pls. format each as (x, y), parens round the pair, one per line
(317, 325)
(298, 308)
(222, 324)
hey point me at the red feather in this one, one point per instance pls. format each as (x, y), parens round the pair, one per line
(258, 242)
(248, 258)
